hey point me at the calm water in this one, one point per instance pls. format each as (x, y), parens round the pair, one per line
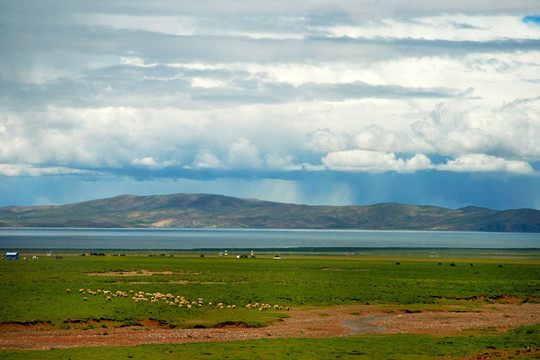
(227, 239)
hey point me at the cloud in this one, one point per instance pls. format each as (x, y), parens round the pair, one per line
(29, 170)
(243, 154)
(485, 163)
(206, 160)
(282, 163)
(149, 162)
(275, 90)
(362, 160)
(444, 27)
(511, 131)
(324, 140)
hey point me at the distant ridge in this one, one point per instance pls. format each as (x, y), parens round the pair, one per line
(217, 211)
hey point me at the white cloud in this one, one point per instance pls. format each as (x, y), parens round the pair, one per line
(149, 162)
(29, 170)
(284, 163)
(485, 163)
(171, 24)
(443, 27)
(373, 161)
(207, 83)
(206, 160)
(511, 131)
(199, 104)
(324, 140)
(243, 154)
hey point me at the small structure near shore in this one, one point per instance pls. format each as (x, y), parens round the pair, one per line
(12, 256)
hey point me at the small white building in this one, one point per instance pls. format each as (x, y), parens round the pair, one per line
(11, 256)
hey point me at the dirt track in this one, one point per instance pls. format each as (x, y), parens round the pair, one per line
(329, 322)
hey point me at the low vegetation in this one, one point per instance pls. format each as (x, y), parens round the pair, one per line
(78, 292)
(36, 290)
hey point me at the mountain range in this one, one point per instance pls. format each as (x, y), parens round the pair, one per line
(217, 211)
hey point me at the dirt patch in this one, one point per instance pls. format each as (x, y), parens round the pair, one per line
(154, 324)
(500, 316)
(231, 324)
(25, 325)
(511, 299)
(365, 324)
(303, 323)
(89, 321)
(141, 273)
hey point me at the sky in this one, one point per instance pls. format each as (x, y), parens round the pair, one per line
(310, 102)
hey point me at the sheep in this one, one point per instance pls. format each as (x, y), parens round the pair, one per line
(85, 298)
(109, 298)
(248, 306)
(68, 290)
(288, 308)
(81, 290)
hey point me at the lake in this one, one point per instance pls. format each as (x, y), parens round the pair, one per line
(62, 238)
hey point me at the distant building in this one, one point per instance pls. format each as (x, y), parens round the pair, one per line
(12, 256)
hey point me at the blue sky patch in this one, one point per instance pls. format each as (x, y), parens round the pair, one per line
(535, 19)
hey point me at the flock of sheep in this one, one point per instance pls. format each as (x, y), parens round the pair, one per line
(171, 300)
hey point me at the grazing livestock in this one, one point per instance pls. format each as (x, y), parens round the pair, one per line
(171, 300)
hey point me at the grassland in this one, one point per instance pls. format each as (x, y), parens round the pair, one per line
(34, 291)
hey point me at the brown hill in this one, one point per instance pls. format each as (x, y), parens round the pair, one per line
(217, 211)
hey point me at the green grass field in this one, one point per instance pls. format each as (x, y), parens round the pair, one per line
(35, 290)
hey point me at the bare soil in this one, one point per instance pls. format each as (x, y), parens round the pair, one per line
(329, 322)
(139, 273)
